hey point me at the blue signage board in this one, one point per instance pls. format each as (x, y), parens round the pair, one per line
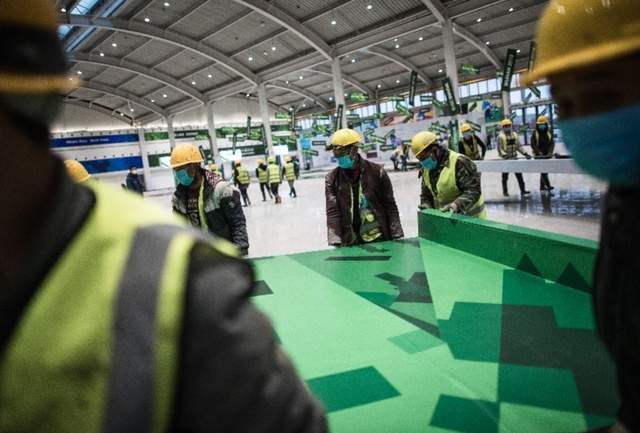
(95, 140)
(112, 164)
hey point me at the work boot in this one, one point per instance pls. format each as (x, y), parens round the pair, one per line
(523, 190)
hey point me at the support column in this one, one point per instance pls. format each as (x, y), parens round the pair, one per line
(451, 66)
(264, 113)
(170, 132)
(338, 89)
(506, 104)
(213, 140)
(146, 169)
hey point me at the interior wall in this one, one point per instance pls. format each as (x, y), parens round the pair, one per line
(73, 118)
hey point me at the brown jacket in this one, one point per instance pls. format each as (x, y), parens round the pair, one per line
(377, 189)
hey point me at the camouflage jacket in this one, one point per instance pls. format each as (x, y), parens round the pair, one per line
(467, 181)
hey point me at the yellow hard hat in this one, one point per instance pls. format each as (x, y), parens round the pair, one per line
(259, 162)
(272, 160)
(465, 127)
(76, 171)
(506, 122)
(542, 120)
(37, 64)
(185, 154)
(287, 158)
(213, 167)
(574, 34)
(422, 140)
(345, 137)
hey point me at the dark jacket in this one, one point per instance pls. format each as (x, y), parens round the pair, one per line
(474, 138)
(134, 184)
(617, 296)
(542, 144)
(222, 209)
(377, 189)
(227, 347)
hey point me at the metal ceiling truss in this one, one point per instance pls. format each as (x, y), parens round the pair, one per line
(390, 55)
(103, 88)
(300, 91)
(167, 36)
(89, 105)
(142, 70)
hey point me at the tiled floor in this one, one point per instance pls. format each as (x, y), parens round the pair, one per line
(299, 224)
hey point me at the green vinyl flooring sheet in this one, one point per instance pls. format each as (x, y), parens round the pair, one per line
(416, 336)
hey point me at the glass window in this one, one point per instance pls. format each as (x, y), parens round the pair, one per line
(482, 87)
(473, 89)
(493, 85)
(516, 97)
(464, 91)
(440, 95)
(545, 91)
(416, 101)
(515, 81)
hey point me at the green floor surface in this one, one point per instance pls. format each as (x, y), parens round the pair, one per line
(414, 336)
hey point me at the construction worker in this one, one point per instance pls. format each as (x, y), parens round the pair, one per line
(242, 181)
(508, 148)
(262, 173)
(593, 74)
(450, 180)
(115, 317)
(289, 173)
(206, 202)
(470, 144)
(134, 184)
(76, 171)
(543, 147)
(274, 178)
(361, 207)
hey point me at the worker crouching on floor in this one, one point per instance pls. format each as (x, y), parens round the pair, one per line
(115, 316)
(590, 53)
(361, 207)
(450, 181)
(207, 202)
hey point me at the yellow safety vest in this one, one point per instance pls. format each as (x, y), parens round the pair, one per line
(471, 150)
(289, 171)
(97, 347)
(263, 175)
(507, 149)
(243, 175)
(274, 173)
(448, 190)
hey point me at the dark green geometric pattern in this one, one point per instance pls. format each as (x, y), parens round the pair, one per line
(412, 336)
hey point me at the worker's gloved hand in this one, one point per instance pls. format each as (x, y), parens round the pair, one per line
(451, 207)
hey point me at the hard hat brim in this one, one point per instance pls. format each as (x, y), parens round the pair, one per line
(15, 83)
(583, 58)
(182, 164)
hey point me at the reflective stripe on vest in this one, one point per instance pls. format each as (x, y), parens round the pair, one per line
(447, 188)
(274, 173)
(243, 176)
(105, 325)
(289, 171)
(510, 150)
(263, 175)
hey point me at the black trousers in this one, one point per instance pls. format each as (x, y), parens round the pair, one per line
(505, 179)
(245, 195)
(544, 181)
(265, 186)
(274, 189)
(292, 189)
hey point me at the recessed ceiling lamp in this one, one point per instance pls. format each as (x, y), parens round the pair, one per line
(439, 71)
(147, 19)
(333, 22)
(273, 48)
(397, 46)
(488, 43)
(353, 60)
(369, 7)
(379, 86)
(209, 76)
(164, 95)
(63, 10)
(79, 72)
(421, 38)
(301, 77)
(101, 54)
(114, 45)
(479, 20)
(153, 101)
(166, 4)
(511, 9)
(397, 81)
(193, 83)
(250, 58)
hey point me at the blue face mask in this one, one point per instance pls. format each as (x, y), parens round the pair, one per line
(183, 178)
(606, 144)
(345, 162)
(429, 163)
(542, 127)
(466, 135)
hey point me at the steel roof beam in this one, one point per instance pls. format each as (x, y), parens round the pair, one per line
(476, 42)
(389, 55)
(142, 70)
(103, 88)
(167, 36)
(299, 90)
(325, 70)
(287, 21)
(437, 9)
(82, 103)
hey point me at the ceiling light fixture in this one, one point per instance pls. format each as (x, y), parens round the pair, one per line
(301, 77)
(164, 95)
(518, 51)
(369, 7)
(479, 20)
(63, 10)
(346, 94)
(114, 45)
(193, 83)
(273, 48)
(395, 40)
(147, 19)
(251, 58)
(397, 46)
(379, 86)
(353, 60)
(131, 110)
(79, 72)
(101, 54)
(287, 82)
(122, 114)
(439, 71)
(265, 53)
(334, 22)
(153, 101)
(304, 105)
(511, 9)
(166, 4)
(209, 76)
(330, 98)
(488, 43)
(421, 38)
(397, 81)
